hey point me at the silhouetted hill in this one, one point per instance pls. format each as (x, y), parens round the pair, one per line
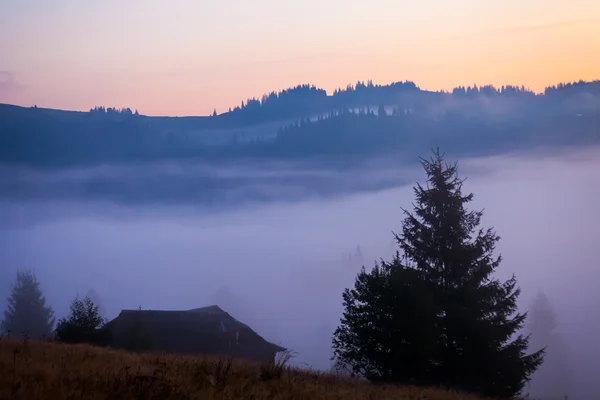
(308, 100)
(360, 121)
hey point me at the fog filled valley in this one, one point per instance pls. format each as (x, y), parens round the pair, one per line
(274, 229)
(280, 266)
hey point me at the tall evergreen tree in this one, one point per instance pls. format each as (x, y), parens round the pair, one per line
(26, 313)
(387, 332)
(542, 320)
(435, 314)
(554, 376)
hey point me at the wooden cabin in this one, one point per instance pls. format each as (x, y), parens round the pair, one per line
(207, 330)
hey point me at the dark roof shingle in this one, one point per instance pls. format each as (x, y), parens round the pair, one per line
(201, 330)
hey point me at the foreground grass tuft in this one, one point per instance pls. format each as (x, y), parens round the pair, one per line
(37, 370)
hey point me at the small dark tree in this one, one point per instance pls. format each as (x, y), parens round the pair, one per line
(435, 315)
(83, 325)
(95, 297)
(26, 313)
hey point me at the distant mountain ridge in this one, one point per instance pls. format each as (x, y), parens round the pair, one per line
(307, 99)
(363, 120)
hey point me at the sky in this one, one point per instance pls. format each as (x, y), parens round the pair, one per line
(190, 57)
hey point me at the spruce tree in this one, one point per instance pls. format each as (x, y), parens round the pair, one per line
(27, 314)
(440, 285)
(83, 325)
(554, 376)
(387, 333)
(95, 298)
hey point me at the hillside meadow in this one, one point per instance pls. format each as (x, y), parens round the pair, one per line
(41, 370)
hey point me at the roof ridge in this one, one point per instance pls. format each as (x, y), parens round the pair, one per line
(189, 315)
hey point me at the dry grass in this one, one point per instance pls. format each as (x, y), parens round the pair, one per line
(37, 370)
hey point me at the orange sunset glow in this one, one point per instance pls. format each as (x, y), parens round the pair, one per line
(190, 57)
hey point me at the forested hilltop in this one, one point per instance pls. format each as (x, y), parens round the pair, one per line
(359, 121)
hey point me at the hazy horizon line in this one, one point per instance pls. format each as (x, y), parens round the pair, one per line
(328, 93)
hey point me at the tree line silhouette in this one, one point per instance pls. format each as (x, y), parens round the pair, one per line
(354, 122)
(307, 99)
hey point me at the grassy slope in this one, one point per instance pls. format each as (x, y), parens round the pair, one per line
(37, 370)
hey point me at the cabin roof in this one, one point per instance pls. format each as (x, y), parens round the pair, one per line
(199, 322)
